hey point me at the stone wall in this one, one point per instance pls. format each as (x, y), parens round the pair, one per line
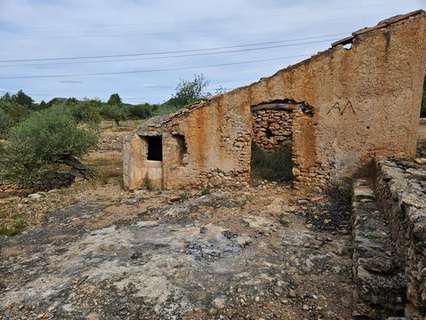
(401, 191)
(363, 102)
(272, 129)
(380, 285)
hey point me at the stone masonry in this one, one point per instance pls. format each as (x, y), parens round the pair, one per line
(358, 100)
(272, 129)
(389, 241)
(401, 190)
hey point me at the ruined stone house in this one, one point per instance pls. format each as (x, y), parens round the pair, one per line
(334, 112)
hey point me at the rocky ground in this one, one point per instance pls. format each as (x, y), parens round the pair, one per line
(259, 253)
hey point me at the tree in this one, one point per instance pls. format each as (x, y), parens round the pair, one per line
(5, 123)
(115, 112)
(15, 112)
(42, 105)
(115, 99)
(6, 97)
(24, 100)
(88, 111)
(46, 140)
(141, 111)
(188, 92)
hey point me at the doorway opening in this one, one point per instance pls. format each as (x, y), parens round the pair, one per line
(272, 142)
(155, 148)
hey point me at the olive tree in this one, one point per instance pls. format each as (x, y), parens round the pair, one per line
(188, 92)
(44, 142)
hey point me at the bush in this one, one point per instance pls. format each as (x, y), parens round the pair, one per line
(141, 111)
(164, 109)
(5, 123)
(274, 165)
(46, 141)
(15, 111)
(115, 112)
(88, 111)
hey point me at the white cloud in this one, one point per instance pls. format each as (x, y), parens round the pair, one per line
(58, 28)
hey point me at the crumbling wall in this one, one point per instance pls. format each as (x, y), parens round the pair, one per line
(401, 190)
(365, 103)
(272, 129)
(355, 95)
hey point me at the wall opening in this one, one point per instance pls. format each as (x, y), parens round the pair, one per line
(155, 148)
(272, 142)
(181, 148)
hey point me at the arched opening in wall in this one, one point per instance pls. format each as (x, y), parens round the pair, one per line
(272, 141)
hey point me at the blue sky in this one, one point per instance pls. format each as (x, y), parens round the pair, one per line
(33, 29)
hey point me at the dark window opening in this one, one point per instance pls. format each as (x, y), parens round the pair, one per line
(155, 148)
(182, 148)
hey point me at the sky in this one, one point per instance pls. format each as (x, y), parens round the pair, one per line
(142, 49)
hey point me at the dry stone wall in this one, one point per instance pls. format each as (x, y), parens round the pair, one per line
(401, 190)
(272, 129)
(377, 270)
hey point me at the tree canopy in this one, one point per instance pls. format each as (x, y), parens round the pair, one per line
(115, 99)
(189, 91)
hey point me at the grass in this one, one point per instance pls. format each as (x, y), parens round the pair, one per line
(274, 165)
(205, 191)
(147, 184)
(184, 196)
(12, 230)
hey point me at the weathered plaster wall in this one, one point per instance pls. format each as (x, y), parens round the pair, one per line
(365, 100)
(134, 156)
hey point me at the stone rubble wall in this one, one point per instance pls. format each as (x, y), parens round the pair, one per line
(377, 271)
(401, 191)
(272, 129)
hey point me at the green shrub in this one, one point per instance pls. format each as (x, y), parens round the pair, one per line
(164, 109)
(45, 141)
(12, 230)
(141, 111)
(274, 165)
(115, 112)
(5, 123)
(184, 196)
(14, 111)
(205, 191)
(88, 111)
